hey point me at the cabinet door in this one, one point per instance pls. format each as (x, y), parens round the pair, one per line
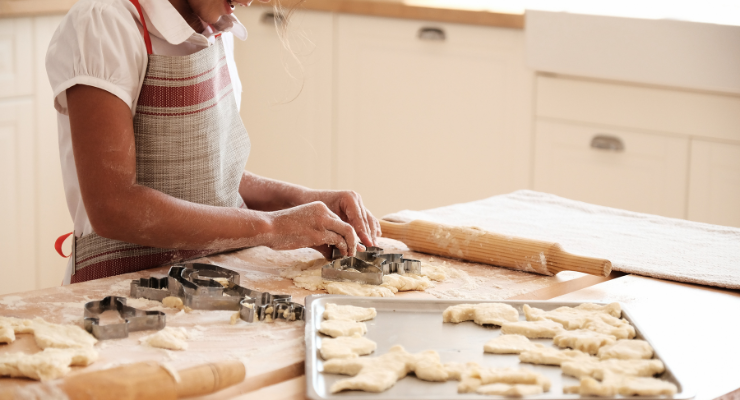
(648, 175)
(16, 57)
(17, 222)
(714, 183)
(286, 99)
(430, 114)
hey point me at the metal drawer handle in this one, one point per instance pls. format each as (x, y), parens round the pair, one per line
(435, 34)
(607, 142)
(271, 18)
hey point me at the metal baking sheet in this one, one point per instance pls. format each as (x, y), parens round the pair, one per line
(417, 326)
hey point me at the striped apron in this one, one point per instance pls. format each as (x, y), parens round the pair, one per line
(190, 144)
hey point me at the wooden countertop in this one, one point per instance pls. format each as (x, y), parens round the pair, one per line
(499, 13)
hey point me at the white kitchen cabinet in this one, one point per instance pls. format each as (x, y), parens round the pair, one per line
(17, 212)
(287, 98)
(16, 57)
(430, 114)
(647, 175)
(714, 183)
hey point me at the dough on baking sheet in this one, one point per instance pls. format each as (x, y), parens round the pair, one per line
(551, 356)
(428, 367)
(175, 302)
(613, 309)
(346, 347)
(60, 336)
(614, 384)
(455, 370)
(619, 328)
(584, 340)
(405, 283)
(169, 338)
(481, 313)
(596, 368)
(575, 318)
(7, 334)
(357, 289)
(504, 389)
(341, 327)
(509, 344)
(511, 376)
(626, 349)
(48, 364)
(533, 329)
(350, 313)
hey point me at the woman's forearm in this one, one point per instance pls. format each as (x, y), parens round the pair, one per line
(265, 194)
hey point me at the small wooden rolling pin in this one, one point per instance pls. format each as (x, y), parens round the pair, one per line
(141, 381)
(476, 245)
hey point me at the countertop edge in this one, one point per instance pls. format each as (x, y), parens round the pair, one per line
(391, 9)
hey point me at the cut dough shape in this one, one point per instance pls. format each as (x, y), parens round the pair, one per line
(175, 302)
(584, 340)
(46, 365)
(169, 338)
(503, 389)
(596, 368)
(625, 349)
(481, 314)
(619, 328)
(456, 370)
(613, 309)
(405, 283)
(357, 289)
(511, 376)
(60, 336)
(340, 327)
(509, 344)
(614, 384)
(7, 334)
(533, 329)
(574, 318)
(349, 313)
(377, 374)
(346, 347)
(551, 356)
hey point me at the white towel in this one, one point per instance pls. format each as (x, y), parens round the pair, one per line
(635, 243)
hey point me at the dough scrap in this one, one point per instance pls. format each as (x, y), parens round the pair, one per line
(349, 313)
(223, 281)
(175, 302)
(60, 336)
(584, 340)
(377, 374)
(481, 313)
(533, 329)
(46, 365)
(7, 334)
(438, 273)
(614, 384)
(503, 389)
(357, 289)
(596, 368)
(18, 325)
(551, 356)
(168, 338)
(625, 349)
(405, 283)
(509, 344)
(341, 327)
(346, 347)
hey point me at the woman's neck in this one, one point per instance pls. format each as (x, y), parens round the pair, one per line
(187, 13)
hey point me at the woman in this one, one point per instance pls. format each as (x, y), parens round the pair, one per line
(153, 149)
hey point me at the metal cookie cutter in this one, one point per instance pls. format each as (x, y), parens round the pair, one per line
(368, 266)
(134, 320)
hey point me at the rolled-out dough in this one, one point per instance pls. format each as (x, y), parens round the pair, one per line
(625, 349)
(350, 313)
(584, 340)
(405, 283)
(60, 336)
(481, 313)
(18, 325)
(551, 356)
(533, 329)
(357, 289)
(346, 347)
(596, 368)
(509, 344)
(48, 364)
(171, 338)
(341, 327)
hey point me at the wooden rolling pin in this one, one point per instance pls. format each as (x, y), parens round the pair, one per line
(141, 381)
(476, 245)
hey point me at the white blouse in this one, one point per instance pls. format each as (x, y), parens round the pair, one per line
(100, 43)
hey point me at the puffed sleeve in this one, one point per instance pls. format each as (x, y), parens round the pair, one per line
(98, 43)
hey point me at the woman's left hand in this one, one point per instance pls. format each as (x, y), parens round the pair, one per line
(348, 206)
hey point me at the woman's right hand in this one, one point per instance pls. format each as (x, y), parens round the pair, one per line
(312, 225)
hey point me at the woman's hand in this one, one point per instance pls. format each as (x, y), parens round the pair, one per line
(348, 206)
(311, 225)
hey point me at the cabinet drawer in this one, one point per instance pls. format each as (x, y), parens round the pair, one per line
(16, 57)
(648, 175)
(714, 183)
(639, 107)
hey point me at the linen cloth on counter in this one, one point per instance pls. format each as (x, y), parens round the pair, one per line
(635, 243)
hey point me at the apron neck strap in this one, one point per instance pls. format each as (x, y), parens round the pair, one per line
(147, 40)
